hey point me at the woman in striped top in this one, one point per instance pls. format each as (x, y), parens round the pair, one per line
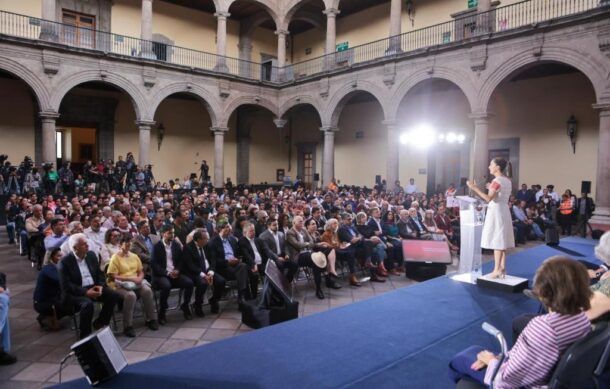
(562, 285)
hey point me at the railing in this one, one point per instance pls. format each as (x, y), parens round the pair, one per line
(499, 19)
(85, 38)
(478, 24)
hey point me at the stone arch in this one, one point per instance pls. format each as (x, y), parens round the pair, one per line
(250, 100)
(253, 22)
(36, 84)
(267, 5)
(211, 104)
(137, 98)
(454, 76)
(330, 117)
(592, 69)
(292, 8)
(299, 100)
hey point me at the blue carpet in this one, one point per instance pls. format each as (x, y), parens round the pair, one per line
(404, 338)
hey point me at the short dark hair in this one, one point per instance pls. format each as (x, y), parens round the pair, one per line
(142, 223)
(125, 238)
(501, 162)
(562, 285)
(56, 220)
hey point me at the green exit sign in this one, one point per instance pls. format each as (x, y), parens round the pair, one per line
(342, 46)
(472, 3)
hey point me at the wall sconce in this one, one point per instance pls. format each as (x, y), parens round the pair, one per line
(411, 11)
(572, 131)
(160, 135)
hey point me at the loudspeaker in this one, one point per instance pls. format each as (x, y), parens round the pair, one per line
(585, 187)
(463, 181)
(316, 176)
(421, 271)
(100, 356)
(377, 179)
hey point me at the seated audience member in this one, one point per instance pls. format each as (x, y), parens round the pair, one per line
(5, 332)
(47, 294)
(254, 254)
(166, 275)
(319, 246)
(392, 235)
(112, 245)
(276, 243)
(562, 286)
(379, 254)
(599, 275)
(224, 250)
(96, 235)
(74, 227)
(404, 227)
(421, 232)
(394, 251)
(443, 224)
(82, 282)
(126, 277)
(299, 245)
(519, 211)
(143, 245)
(58, 235)
(357, 245)
(197, 264)
(342, 251)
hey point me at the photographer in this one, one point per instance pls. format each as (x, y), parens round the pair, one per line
(66, 178)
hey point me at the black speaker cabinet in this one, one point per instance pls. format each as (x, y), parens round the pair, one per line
(100, 356)
(316, 177)
(585, 187)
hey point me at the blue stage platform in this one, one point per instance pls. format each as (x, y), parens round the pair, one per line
(404, 338)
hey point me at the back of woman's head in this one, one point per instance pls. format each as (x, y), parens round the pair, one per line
(562, 285)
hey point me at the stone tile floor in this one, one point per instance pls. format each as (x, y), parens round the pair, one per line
(39, 353)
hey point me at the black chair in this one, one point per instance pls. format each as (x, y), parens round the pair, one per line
(582, 359)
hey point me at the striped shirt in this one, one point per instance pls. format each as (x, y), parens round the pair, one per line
(531, 361)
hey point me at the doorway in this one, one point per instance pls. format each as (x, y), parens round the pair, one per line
(76, 145)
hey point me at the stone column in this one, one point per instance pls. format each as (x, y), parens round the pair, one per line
(601, 216)
(146, 30)
(281, 52)
(392, 155)
(480, 150)
(144, 142)
(483, 19)
(49, 149)
(219, 165)
(395, 25)
(331, 36)
(328, 159)
(245, 54)
(49, 31)
(221, 41)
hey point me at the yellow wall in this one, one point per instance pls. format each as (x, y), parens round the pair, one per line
(546, 152)
(16, 120)
(22, 7)
(77, 137)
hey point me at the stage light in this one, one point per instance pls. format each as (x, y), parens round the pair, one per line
(451, 137)
(422, 136)
(404, 138)
(461, 138)
(441, 137)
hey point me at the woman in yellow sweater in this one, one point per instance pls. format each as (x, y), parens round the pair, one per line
(126, 276)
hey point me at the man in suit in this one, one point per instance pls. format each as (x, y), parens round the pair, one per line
(417, 226)
(358, 245)
(300, 245)
(255, 254)
(143, 245)
(82, 282)
(393, 248)
(197, 265)
(584, 211)
(166, 264)
(181, 226)
(224, 250)
(261, 222)
(404, 227)
(276, 244)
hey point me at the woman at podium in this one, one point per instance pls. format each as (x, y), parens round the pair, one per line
(498, 232)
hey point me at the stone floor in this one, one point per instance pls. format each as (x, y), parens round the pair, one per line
(39, 352)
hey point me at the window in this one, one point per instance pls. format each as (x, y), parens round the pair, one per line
(160, 50)
(59, 144)
(78, 29)
(308, 168)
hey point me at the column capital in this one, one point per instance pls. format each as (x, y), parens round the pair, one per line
(219, 130)
(48, 115)
(329, 129)
(222, 14)
(331, 12)
(280, 123)
(390, 123)
(603, 108)
(282, 33)
(145, 123)
(481, 115)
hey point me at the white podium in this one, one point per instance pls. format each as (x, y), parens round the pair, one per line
(472, 217)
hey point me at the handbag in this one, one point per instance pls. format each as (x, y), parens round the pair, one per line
(127, 285)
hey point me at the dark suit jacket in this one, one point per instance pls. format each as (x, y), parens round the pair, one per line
(159, 258)
(405, 230)
(247, 253)
(269, 240)
(192, 263)
(139, 248)
(345, 234)
(218, 252)
(416, 229)
(70, 279)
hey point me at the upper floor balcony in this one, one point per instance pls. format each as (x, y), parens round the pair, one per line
(77, 35)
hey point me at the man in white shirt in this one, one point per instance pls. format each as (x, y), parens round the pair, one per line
(411, 188)
(96, 235)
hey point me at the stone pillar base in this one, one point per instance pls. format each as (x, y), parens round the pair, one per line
(600, 219)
